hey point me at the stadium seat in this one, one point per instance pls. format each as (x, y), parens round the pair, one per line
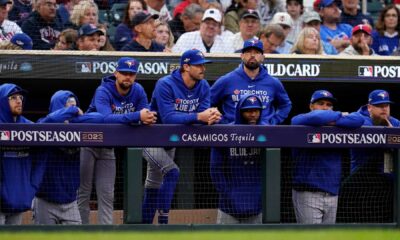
(117, 13)
(104, 16)
(374, 7)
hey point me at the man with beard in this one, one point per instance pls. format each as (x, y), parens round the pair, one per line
(121, 100)
(251, 77)
(360, 42)
(180, 98)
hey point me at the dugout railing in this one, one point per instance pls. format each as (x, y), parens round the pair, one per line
(272, 138)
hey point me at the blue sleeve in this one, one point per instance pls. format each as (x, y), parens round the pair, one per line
(39, 164)
(283, 105)
(217, 90)
(166, 107)
(92, 117)
(352, 120)
(204, 98)
(316, 118)
(102, 104)
(217, 170)
(122, 37)
(60, 115)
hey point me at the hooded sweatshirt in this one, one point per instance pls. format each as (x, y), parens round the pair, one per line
(61, 179)
(22, 168)
(320, 169)
(177, 104)
(115, 107)
(236, 174)
(374, 157)
(228, 89)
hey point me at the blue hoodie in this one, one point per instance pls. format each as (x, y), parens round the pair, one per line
(320, 169)
(177, 104)
(115, 107)
(61, 179)
(22, 168)
(361, 156)
(228, 89)
(236, 174)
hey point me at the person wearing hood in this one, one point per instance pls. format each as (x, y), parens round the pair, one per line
(371, 182)
(22, 168)
(251, 77)
(120, 100)
(56, 200)
(317, 171)
(180, 98)
(236, 172)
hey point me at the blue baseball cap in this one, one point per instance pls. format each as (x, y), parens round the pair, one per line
(22, 40)
(253, 43)
(5, 2)
(322, 94)
(378, 97)
(89, 29)
(193, 57)
(251, 102)
(326, 3)
(142, 17)
(127, 64)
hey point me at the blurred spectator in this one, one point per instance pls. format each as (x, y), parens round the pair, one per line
(268, 9)
(338, 34)
(88, 38)
(225, 34)
(7, 28)
(19, 41)
(66, 40)
(164, 36)
(352, 15)
(272, 37)
(86, 12)
(124, 33)
(159, 7)
(285, 21)
(308, 42)
(207, 39)
(180, 8)
(233, 13)
(312, 19)
(65, 9)
(20, 11)
(386, 38)
(104, 42)
(188, 21)
(145, 28)
(295, 9)
(43, 25)
(249, 26)
(360, 42)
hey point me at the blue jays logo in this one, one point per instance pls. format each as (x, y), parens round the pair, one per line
(130, 63)
(253, 42)
(383, 95)
(186, 60)
(252, 99)
(326, 94)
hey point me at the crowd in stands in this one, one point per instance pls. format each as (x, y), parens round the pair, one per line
(213, 26)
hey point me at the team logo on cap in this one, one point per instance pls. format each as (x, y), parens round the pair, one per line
(253, 42)
(130, 63)
(383, 95)
(186, 60)
(326, 94)
(252, 99)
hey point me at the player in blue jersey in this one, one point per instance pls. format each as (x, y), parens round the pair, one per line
(317, 172)
(56, 199)
(251, 77)
(180, 98)
(121, 100)
(236, 172)
(21, 167)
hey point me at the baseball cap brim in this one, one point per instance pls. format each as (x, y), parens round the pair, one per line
(254, 47)
(333, 100)
(18, 91)
(199, 62)
(126, 70)
(381, 102)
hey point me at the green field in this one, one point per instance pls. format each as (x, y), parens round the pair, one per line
(217, 235)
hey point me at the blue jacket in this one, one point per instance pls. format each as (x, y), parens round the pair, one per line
(228, 89)
(44, 35)
(20, 11)
(177, 104)
(115, 107)
(61, 179)
(384, 45)
(362, 156)
(123, 36)
(236, 174)
(134, 46)
(320, 169)
(22, 168)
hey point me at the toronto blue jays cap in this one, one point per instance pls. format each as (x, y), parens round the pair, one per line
(378, 97)
(22, 40)
(322, 94)
(251, 102)
(127, 64)
(193, 57)
(89, 29)
(142, 17)
(253, 43)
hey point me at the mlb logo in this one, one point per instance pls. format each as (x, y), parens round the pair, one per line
(365, 71)
(83, 67)
(314, 138)
(5, 136)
